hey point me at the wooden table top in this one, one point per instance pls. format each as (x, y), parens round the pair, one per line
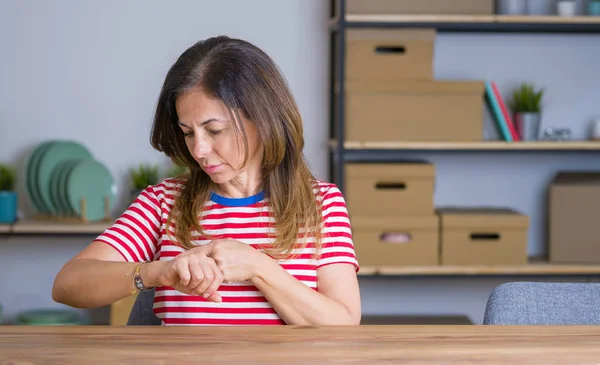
(300, 345)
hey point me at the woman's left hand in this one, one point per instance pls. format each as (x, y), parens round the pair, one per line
(237, 261)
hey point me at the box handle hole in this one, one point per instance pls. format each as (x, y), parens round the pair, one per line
(390, 49)
(485, 236)
(390, 186)
(395, 237)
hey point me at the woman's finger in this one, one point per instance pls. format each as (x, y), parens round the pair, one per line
(209, 276)
(183, 271)
(196, 273)
(211, 291)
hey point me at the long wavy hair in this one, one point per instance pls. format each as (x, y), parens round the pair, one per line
(249, 83)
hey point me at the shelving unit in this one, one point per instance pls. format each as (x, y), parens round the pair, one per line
(355, 151)
(39, 227)
(473, 146)
(342, 151)
(532, 269)
(473, 23)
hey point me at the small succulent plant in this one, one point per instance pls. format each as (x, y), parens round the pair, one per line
(8, 177)
(144, 175)
(526, 99)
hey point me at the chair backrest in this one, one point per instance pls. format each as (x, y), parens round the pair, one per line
(533, 303)
(141, 313)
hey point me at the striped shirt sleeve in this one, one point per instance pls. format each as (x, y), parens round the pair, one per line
(135, 233)
(337, 244)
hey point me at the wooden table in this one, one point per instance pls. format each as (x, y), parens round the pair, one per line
(300, 345)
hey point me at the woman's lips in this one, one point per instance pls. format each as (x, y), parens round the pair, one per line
(211, 168)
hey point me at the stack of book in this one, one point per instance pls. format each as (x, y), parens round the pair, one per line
(500, 113)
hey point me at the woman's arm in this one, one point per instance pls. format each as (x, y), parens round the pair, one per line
(336, 303)
(104, 271)
(337, 300)
(96, 277)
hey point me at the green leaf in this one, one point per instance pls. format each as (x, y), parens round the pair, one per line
(144, 175)
(527, 99)
(8, 176)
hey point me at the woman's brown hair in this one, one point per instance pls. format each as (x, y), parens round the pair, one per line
(247, 81)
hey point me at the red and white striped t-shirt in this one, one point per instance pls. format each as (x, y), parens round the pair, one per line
(140, 235)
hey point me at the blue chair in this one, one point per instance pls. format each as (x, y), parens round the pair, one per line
(538, 303)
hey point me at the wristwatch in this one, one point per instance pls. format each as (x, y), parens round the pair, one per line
(137, 279)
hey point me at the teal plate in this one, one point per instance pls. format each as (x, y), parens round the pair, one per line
(31, 178)
(62, 186)
(55, 154)
(90, 180)
(54, 186)
(57, 183)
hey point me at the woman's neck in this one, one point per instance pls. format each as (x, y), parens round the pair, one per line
(239, 188)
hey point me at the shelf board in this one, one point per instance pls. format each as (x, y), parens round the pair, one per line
(533, 269)
(477, 23)
(4, 228)
(474, 146)
(53, 227)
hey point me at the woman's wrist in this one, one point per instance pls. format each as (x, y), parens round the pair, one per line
(149, 273)
(261, 264)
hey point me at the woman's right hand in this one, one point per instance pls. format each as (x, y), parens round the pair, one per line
(191, 272)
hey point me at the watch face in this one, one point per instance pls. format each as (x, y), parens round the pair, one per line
(138, 283)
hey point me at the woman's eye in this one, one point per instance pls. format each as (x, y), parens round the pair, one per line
(213, 132)
(188, 134)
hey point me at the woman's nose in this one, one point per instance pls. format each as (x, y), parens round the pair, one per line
(202, 148)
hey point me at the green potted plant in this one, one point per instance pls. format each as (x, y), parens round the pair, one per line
(141, 177)
(526, 105)
(8, 195)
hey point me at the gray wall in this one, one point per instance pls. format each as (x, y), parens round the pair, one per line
(92, 71)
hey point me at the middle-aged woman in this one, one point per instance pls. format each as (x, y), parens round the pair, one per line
(248, 236)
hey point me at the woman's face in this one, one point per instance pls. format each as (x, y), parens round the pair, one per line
(211, 139)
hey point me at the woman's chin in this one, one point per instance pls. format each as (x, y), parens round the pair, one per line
(219, 179)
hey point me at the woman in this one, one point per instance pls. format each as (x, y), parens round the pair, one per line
(248, 236)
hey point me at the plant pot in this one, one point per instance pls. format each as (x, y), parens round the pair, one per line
(594, 7)
(540, 7)
(566, 7)
(528, 126)
(8, 206)
(511, 7)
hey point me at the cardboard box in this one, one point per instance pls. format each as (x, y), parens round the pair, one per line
(417, 111)
(389, 54)
(396, 241)
(390, 189)
(574, 213)
(421, 7)
(483, 236)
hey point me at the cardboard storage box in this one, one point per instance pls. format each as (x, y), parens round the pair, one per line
(390, 189)
(396, 241)
(417, 111)
(389, 54)
(483, 236)
(420, 7)
(574, 214)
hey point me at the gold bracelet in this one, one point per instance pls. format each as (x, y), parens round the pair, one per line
(135, 275)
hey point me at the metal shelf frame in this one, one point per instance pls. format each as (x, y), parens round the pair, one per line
(340, 21)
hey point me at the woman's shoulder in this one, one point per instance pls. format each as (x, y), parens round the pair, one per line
(324, 189)
(166, 189)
